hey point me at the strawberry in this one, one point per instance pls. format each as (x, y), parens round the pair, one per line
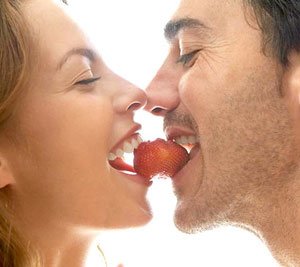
(159, 157)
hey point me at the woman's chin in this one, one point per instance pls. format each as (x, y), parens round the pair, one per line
(141, 219)
(133, 189)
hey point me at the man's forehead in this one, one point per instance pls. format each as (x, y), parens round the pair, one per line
(196, 8)
(204, 15)
(189, 15)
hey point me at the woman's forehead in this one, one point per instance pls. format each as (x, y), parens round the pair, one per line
(53, 29)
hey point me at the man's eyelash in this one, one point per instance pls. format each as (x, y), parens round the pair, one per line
(186, 58)
(87, 81)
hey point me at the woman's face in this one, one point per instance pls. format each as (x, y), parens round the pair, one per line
(74, 114)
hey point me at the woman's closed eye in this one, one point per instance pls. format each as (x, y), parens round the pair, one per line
(188, 60)
(88, 81)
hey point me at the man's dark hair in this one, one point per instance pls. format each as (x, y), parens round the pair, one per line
(279, 21)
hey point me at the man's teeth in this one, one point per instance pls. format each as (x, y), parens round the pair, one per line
(128, 147)
(186, 140)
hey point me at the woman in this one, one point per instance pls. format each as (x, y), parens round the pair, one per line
(63, 114)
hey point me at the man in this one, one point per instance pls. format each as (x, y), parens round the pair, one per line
(232, 80)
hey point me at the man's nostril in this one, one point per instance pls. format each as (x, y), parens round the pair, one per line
(157, 110)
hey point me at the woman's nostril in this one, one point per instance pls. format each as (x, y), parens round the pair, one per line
(134, 106)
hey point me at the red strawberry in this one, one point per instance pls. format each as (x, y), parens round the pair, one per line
(159, 157)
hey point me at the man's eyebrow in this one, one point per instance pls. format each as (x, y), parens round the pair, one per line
(174, 26)
(85, 52)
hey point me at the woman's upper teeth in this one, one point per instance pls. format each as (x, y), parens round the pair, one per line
(128, 147)
(186, 140)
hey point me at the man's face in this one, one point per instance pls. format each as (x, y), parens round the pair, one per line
(217, 84)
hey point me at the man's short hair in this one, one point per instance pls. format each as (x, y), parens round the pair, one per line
(279, 21)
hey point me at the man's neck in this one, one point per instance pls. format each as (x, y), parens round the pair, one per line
(280, 230)
(275, 217)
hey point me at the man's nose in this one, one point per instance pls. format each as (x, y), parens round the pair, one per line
(162, 92)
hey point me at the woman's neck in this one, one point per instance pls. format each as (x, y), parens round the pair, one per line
(60, 246)
(69, 252)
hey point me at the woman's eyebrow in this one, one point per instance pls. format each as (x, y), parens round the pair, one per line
(85, 52)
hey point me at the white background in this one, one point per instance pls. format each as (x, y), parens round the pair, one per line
(129, 36)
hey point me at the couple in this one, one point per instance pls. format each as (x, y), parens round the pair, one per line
(231, 79)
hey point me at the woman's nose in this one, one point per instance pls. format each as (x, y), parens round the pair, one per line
(131, 98)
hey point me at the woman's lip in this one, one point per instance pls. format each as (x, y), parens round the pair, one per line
(133, 176)
(175, 131)
(130, 133)
(121, 165)
(136, 178)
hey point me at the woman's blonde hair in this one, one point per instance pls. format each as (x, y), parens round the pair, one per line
(15, 63)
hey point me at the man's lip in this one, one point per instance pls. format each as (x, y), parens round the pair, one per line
(184, 172)
(130, 133)
(172, 132)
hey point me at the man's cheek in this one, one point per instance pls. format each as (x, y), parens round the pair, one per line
(191, 98)
(186, 86)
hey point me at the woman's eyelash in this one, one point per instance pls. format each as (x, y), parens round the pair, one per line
(186, 58)
(87, 81)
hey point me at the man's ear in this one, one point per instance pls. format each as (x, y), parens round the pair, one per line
(6, 175)
(292, 78)
(291, 91)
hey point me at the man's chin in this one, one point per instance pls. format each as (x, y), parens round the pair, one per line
(192, 219)
(184, 219)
